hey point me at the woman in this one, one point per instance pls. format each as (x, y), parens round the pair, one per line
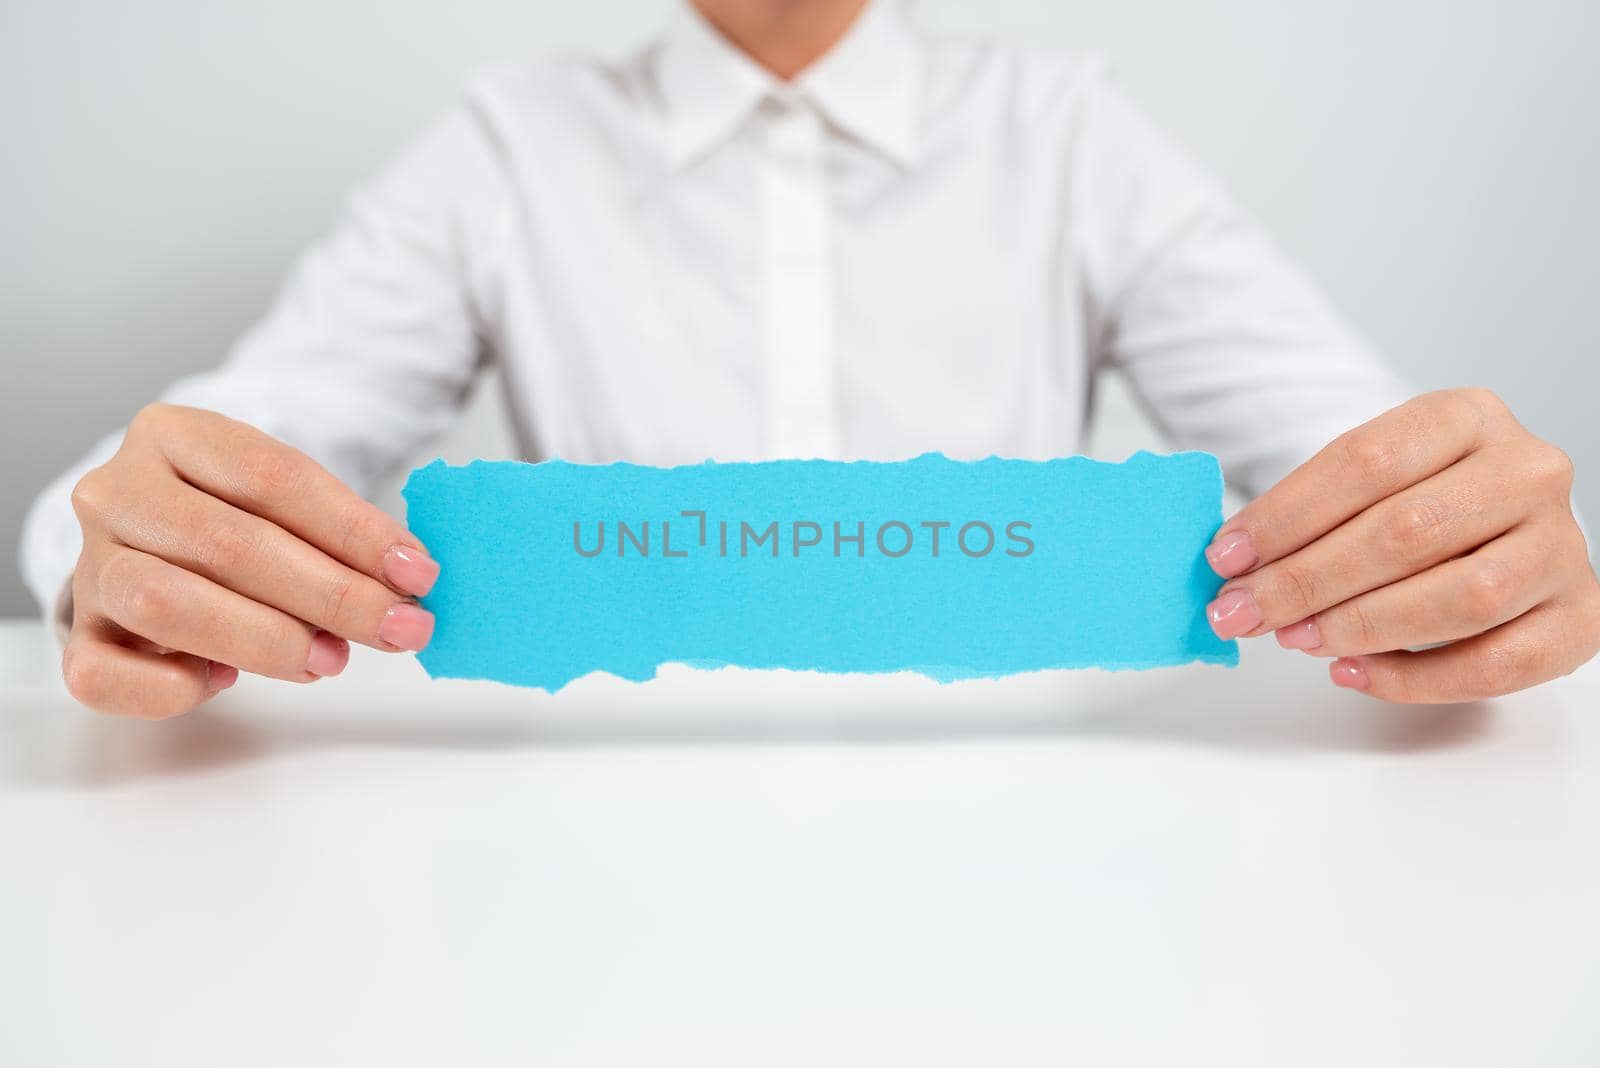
(794, 228)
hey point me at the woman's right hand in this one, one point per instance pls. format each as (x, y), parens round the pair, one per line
(210, 548)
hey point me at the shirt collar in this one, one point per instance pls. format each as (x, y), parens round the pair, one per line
(866, 85)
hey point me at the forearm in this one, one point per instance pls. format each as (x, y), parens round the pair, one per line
(368, 352)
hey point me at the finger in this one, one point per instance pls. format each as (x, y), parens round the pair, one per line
(262, 475)
(180, 610)
(1444, 516)
(1457, 599)
(107, 676)
(1550, 641)
(1398, 449)
(266, 563)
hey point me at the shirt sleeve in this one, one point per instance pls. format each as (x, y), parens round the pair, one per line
(370, 349)
(1226, 344)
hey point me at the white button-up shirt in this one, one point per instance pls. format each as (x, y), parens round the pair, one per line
(918, 244)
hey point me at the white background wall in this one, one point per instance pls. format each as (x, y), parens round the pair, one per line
(1434, 162)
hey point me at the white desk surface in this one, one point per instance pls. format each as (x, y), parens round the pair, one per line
(1190, 866)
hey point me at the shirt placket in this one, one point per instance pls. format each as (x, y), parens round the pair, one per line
(799, 387)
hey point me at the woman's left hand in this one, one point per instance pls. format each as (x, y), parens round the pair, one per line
(1443, 520)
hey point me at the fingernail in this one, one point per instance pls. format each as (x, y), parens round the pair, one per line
(1231, 554)
(410, 570)
(1348, 673)
(1303, 635)
(1233, 614)
(406, 626)
(220, 677)
(329, 654)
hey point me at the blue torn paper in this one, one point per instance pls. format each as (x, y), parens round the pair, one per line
(955, 570)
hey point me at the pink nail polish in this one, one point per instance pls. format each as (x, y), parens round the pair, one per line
(1233, 614)
(406, 626)
(1232, 554)
(1303, 635)
(220, 677)
(410, 570)
(329, 654)
(1349, 673)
